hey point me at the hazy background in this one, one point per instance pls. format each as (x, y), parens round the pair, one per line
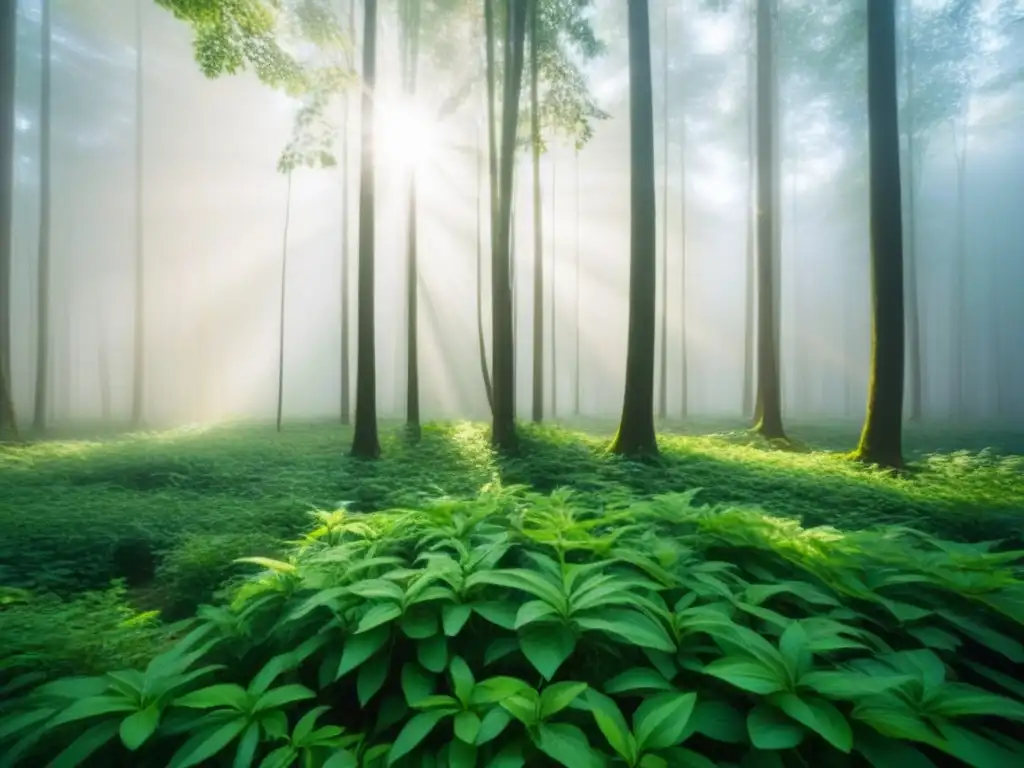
(214, 209)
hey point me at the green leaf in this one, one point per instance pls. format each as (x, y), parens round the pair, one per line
(933, 637)
(746, 674)
(758, 593)
(547, 646)
(305, 725)
(638, 679)
(462, 679)
(521, 579)
(511, 756)
(962, 700)
(413, 733)
(454, 617)
(377, 616)
(492, 724)
(502, 614)
(1014, 686)
(535, 611)
(269, 563)
(494, 689)
(850, 686)
(882, 752)
(23, 721)
(467, 726)
(81, 749)
(342, 758)
(631, 626)
(678, 757)
(612, 724)
(207, 743)
(92, 707)
(567, 745)
(796, 650)
(282, 696)
(892, 717)
(718, 720)
(221, 695)
(820, 716)
(247, 746)
(556, 697)
(996, 641)
(138, 727)
(391, 711)
(359, 648)
(275, 724)
(770, 729)
(377, 589)
(432, 653)
(500, 648)
(419, 622)
(282, 757)
(417, 683)
(660, 721)
(372, 676)
(461, 755)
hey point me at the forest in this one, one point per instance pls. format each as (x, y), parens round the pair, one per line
(503, 383)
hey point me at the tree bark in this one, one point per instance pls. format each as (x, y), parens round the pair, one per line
(663, 341)
(481, 342)
(768, 384)
(881, 439)
(39, 421)
(957, 315)
(8, 49)
(139, 357)
(636, 435)
(412, 401)
(281, 309)
(538, 220)
(684, 373)
(365, 441)
(750, 297)
(913, 302)
(346, 374)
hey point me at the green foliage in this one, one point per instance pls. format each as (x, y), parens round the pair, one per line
(518, 628)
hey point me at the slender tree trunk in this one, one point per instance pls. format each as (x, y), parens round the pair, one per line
(503, 431)
(636, 435)
(346, 267)
(139, 358)
(538, 221)
(365, 442)
(750, 297)
(881, 439)
(283, 304)
(576, 300)
(768, 384)
(8, 48)
(103, 361)
(554, 295)
(684, 373)
(39, 421)
(412, 400)
(481, 342)
(957, 315)
(663, 341)
(913, 302)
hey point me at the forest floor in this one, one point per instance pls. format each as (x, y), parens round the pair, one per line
(168, 511)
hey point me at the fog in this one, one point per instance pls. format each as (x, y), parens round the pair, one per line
(213, 209)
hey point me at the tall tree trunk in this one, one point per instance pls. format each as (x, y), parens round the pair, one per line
(636, 434)
(663, 341)
(481, 342)
(768, 385)
(411, 50)
(103, 361)
(538, 220)
(684, 373)
(578, 380)
(346, 267)
(957, 315)
(365, 442)
(881, 439)
(8, 49)
(283, 304)
(750, 296)
(554, 294)
(139, 357)
(914, 360)
(43, 288)
(503, 431)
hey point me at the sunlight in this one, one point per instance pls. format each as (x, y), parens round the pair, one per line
(407, 135)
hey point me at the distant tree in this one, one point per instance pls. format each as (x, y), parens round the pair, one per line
(410, 18)
(39, 421)
(481, 341)
(663, 352)
(283, 302)
(750, 297)
(577, 377)
(139, 357)
(881, 439)
(538, 221)
(346, 267)
(8, 47)
(636, 435)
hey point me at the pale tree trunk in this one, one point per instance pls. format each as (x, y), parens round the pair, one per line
(43, 350)
(554, 298)
(750, 296)
(481, 342)
(410, 50)
(283, 303)
(139, 359)
(663, 341)
(346, 267)
(576, 301)
(538, 222)
(957, 314)
(914, 357)
(8, 48)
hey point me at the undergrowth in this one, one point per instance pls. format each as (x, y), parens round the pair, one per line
(519, 628)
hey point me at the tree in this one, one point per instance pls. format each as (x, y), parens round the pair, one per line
(663, 373)
(139, 359)
(750, 298)
(636, 436)
(346, 376)
(365, 442)
(881, 439)
(283, 303)
(410, 13)
(8, 47)
(538, 221)
(913, 140)
(577, 378)
(769, 392)
(43, 286)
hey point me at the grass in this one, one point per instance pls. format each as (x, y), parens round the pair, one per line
(77, 512)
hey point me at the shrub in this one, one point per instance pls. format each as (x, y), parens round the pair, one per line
(520, 629)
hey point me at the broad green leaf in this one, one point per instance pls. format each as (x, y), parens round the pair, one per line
(933, 637)
(372, 676)
(891, 717)
(359, 648)
(138, 727)
(746, 674)
(282, 757)
(92, 707)
(718, 720)
(612, 724)
(462, 679)
(523, 706)
(660, 721)
(653, 761)
(413, 733)
(511, 756)
(769, 729)
(247, 745)
(1016, 687)
(556, 697)
(75, 688)
(417, 683)
(973, 749)
(850, 686)
(377, 589)
(492, 724)
(502, 614)
(377, 616)
(282, 696)
(996, 641)
(341, 758)
(494, 689)
(631, 626)
(535, 611)
(638, 679)
(818, 715)
(81, 749)
(758, 593)
(207, 743)
(419, 622)
(461, 754)
(882, 752)
(432, 653)
(521, 579)
(567, 745)
(305, 725)
(679, 757)
(24, 721)
(271, 671)
(500, 648)
(796, 651)
(962, 700)
(391, 710)
(547, 646)
(454, 617)
(467, 726)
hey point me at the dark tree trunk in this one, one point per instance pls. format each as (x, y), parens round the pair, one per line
(39, 420)
(481, 342)
(503, 431)
(365, 442)
(914, 360)
(881, 439)
(636, 434)
(750, 297)
(769, 391)
(346, 268)
(411, 50)
(283, 304)
(538, 220)
(8, 48)
(578, 380)
(663, 341)
(139, 357)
